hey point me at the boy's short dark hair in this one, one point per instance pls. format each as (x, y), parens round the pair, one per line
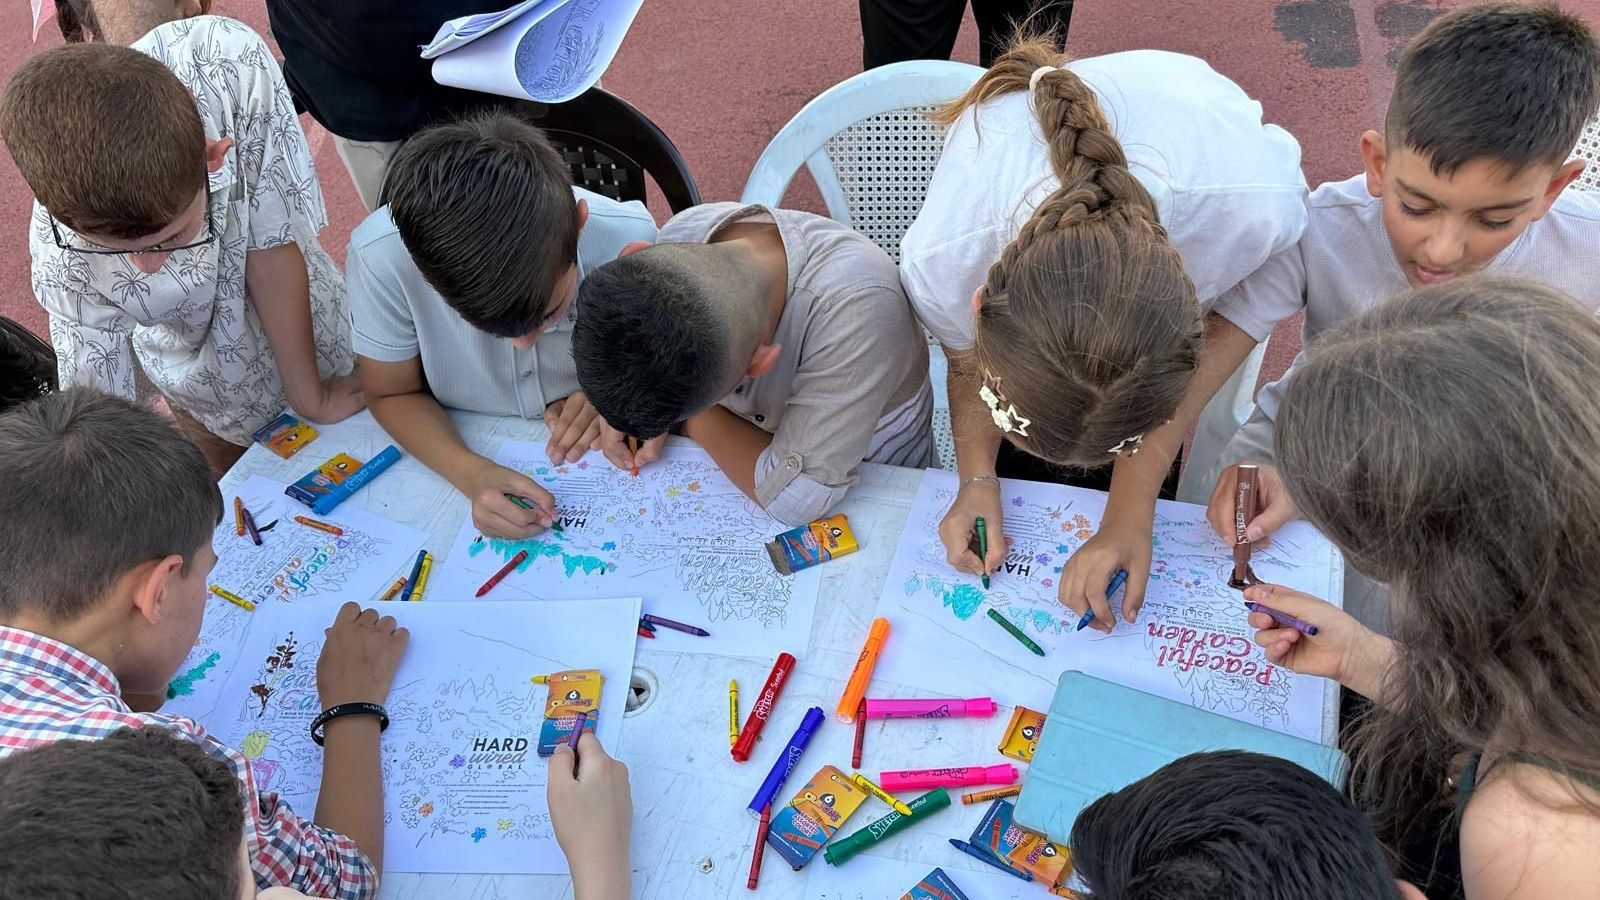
(108, 138)
(93, 485)
(649, 349)
(27, 365)
(1229, 824)
(484, 205)
(1509, 82)
(141, 814)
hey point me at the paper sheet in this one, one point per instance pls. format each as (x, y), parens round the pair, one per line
(464, 790)
(1191, 643)
(293, 563)
(681, 535)
(550, 51)
(878, 878)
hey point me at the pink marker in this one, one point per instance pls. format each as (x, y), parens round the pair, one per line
(942, 708)
(958, 776)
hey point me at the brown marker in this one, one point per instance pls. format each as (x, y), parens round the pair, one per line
(1244, 510)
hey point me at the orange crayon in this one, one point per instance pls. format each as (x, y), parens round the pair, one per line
(320, 526)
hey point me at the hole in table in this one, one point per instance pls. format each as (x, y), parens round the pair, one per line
(642, 688)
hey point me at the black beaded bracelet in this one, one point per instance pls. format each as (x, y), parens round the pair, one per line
(347, 709)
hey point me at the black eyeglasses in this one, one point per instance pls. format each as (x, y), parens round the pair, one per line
(210, 235)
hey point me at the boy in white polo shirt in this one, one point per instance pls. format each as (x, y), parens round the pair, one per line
(461, 292)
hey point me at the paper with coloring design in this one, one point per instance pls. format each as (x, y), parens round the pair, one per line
(681, 536)
(463, 789)
(1191, 642)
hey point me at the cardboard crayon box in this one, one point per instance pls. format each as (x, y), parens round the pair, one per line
(285, 435)
(812, 544)
(313, 485)
(936, 885)
(800, 829)
(1022, 734)
(571, 692)
(1026, 851)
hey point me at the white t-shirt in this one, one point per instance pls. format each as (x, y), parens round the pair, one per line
(1344, 265)
(1228, 187)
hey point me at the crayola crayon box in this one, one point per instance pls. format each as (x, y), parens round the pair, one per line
(1021, 849)
(314, 484)
(285, 435)
(800, 829)
(812, 545)
(936, 885)
(1022, 734)
(571, 692)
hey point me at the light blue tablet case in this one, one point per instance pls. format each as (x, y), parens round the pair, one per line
(1101, 736)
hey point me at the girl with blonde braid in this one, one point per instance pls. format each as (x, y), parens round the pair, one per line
(1082, 216)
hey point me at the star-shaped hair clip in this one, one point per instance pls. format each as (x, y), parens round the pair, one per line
(1008, 419)
(1127, 446)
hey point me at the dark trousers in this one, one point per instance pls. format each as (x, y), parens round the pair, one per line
(898, 30)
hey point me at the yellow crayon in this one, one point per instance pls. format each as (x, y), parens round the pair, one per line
(733, 712)
(233, 598)
(540, 679)
(866, 784)
(422, 578)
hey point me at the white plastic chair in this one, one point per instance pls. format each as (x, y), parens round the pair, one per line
(871, 149)
(1589, 148)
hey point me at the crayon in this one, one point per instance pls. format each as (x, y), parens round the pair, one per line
(900, 807)
(992, 794)
(762, 709)
(861, 735)
(676, 626)
(540, 679)
(856, 687)
(633, 453)
(1282, 618)
(577, 730)
(786, 761)
(893, 823)
(416, 569)
(250, 526)
(320, 526)
(504, 571)
(1111, 591)
(647, 626)
(978, 853)
(393, 589)
(356, 480)
(952, 776)
(733, 712)
(233, 598)
(646, 633)
(761, 846)
(238, 517)
(930, 709)
(982, 528)
(421, 584)
(1016, 632)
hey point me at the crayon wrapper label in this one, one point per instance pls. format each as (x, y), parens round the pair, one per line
(285, 435)
(1022, 734)
(813, 544)
(936, 885)
(1023, 850)
(817, 811)
(571, 692)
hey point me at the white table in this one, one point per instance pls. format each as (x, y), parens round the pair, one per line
(691, 833)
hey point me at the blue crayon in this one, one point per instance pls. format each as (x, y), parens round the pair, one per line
(786, 761)
(1111, 590)
(356, 480)
(977, 853)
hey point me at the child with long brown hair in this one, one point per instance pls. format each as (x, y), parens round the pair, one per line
(1080, 218)
(1449, 444)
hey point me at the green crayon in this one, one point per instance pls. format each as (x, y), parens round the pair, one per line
(1016, 632)
(893, 823)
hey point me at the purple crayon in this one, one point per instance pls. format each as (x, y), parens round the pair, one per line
(676, 626)
(577, 731)
(1284, 619)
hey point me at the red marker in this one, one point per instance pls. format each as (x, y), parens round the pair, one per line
(504, 571)
(761, 846)
(763, 706)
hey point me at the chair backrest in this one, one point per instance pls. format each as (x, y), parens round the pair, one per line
(869, 145)
(1589, 148)
(611, 146)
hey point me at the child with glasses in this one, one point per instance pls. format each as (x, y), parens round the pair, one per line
(175, 229)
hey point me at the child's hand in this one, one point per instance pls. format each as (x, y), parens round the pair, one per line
(591, 809)
(359, 657)
(614, 444)
(1343, 649)
(1273, 506)
(494, 514)
(339, 399)
(574, 427)
(1117, 546)
(958, 529)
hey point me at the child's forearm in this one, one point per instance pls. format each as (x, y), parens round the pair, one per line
(280, 291)
(423, 429)
(733, 443)
(351, 797)
(603, 879)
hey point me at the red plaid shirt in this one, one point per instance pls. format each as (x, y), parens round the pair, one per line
(51, 692)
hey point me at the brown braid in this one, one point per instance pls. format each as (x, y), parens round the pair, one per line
(1088, 320)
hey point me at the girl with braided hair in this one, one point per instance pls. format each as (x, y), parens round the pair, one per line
(1079, 222)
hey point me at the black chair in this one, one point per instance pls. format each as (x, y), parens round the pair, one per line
(611, 147)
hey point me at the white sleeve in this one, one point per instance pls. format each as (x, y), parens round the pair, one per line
(1271, 294)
